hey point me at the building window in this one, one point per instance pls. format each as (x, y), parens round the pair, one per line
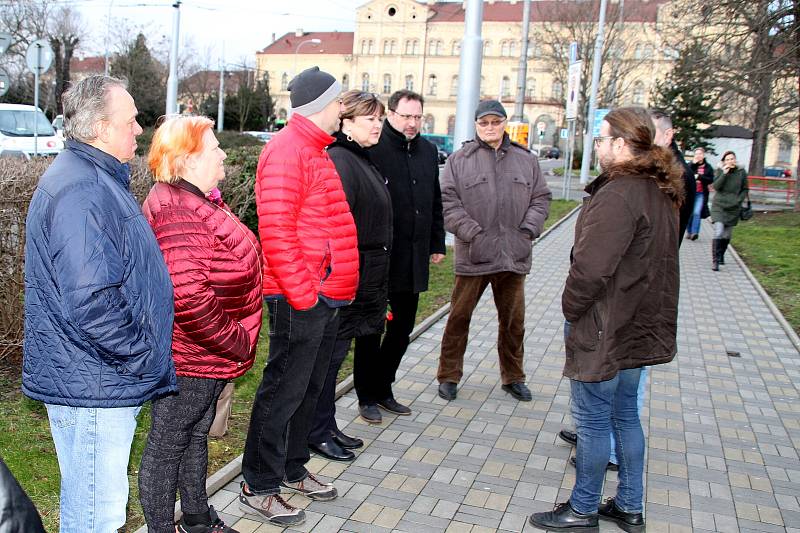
(455, 48)
(454, 86)
(432, 82)
(388, 47)
(504, 48)
(363, 46)
(284, 82)
(409, 82)
(345, 82)
(483, 85)
(505, 87)
(434, 47)
(365, 82)
(785, 146)
(451, 125)
(557, 91)
(638, 93)
(427, 124)
(387, 83)
(487, 48)
(512, 48)
(530, 88)
(412, 46)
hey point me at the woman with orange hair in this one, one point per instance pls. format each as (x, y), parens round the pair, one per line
(215, 266)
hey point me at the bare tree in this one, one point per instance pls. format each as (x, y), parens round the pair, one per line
(66, 31)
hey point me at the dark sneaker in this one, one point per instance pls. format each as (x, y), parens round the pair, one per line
(272, 507)
(313, 488)
(570, 437)
(610, 466)
(562, 517)
(630, 522)
(448, 390)
(393, 406)
(370, 413)
(216, 525)
(520, 391)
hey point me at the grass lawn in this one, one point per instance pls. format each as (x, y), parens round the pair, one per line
(770, 244)
(27, 448)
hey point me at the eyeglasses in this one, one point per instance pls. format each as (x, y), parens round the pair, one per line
(492, 123)
(415, 118)
(598, 140)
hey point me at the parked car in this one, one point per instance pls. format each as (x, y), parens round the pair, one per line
(265, 136)
(19, 125)
(777, 172)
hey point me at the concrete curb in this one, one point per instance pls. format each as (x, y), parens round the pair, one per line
(228, 473)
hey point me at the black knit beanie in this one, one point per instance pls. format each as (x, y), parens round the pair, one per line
(312, 90)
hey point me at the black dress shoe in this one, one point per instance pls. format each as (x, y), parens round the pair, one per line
(331, 450)
(345, 441)
(610, 466)
(630, 522)
(520, 391)
(563, 516)
(393, 406)
(370, 413)
(570, 437)
(448, 390)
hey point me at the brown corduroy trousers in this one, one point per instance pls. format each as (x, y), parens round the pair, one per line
(509, 298)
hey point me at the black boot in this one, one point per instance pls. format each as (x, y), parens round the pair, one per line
(723, 247)
(715, 254)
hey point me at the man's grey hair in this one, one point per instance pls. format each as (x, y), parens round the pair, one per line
(661, 119)
(86, 104)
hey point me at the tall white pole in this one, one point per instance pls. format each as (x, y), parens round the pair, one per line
(172, 81)
(36, 100)
(522, 73)
(469, 74)
(221, 103)
(108, 32)
(588, 138)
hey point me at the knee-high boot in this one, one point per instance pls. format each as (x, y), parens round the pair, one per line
(715, 254)
(723, 246)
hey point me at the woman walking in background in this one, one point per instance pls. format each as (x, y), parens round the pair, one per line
(215, 265)
(730, 186)
(703, 177)
(363, 320)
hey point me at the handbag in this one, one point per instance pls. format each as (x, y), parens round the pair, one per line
(746, 211)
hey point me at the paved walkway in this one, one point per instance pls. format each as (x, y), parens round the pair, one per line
(723, 431)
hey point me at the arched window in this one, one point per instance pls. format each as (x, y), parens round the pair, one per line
(434, 47)
(451, 125)
(363, 46)
(512, 48)
(557, 91)
(504, 48)
(455, 47)
(388, 46)
(387, 83)
(284, 82)
(454, 86)
(530, 88)
(427, 124)
(432, 85)
(487, 48)
(345, 82)
(411, 47)
(505, 87)
(365, 82)
(409, 82)
(370, 46)
(638, 93)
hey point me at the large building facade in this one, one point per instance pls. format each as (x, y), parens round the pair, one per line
(415, 45)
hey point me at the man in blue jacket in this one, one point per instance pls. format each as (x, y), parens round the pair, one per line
(98, 305)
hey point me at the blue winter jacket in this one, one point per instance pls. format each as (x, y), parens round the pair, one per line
(98, 296)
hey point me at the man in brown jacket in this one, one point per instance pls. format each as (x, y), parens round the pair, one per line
(621, 298)
(495, 202)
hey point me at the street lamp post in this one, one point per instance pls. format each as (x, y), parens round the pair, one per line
(297, 49)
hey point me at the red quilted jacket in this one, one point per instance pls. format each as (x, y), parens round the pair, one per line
(306, 229)
(214, 262)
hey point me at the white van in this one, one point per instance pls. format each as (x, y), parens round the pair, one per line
(17, 123)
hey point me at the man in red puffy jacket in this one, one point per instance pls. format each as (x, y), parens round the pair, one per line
(308, 238)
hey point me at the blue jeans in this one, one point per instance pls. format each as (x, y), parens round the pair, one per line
(639, 404)
(694, 221)
(93, 447)
(597, 408)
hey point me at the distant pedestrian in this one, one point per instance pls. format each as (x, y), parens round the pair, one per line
(703, 177)
(309, 243)
(98, 305)
(363, 320)
(730, 190)
(215, 264)
(621, 299)
(495, 202)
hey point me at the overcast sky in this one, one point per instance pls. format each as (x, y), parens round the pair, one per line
(244, 25)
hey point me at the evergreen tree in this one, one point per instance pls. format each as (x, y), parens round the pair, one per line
(685, 95)
(146, 79)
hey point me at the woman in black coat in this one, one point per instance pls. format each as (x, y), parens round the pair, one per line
(363, 320)
(703, 177)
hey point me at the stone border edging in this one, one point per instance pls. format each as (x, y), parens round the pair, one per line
(228, 473)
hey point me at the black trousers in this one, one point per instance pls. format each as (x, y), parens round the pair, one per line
(325, 417)
(300, 347)
(176, 453)
(375, 368)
